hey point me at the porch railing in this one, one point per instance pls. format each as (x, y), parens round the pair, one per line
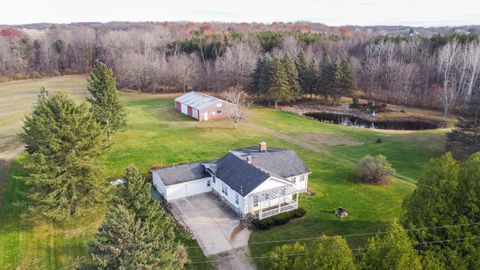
(277, 210)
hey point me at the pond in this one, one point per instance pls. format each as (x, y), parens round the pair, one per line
(392, 123)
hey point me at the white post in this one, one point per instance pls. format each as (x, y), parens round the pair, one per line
(260, 212)
(297, 200)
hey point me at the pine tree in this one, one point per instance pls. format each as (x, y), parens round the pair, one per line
(393, 251)
(124, 242)
(327, 81)
(106, 107)
(344, 79)
(278, 87)
(153, 227)
(292, 75)
(63, 141)
(301, 65)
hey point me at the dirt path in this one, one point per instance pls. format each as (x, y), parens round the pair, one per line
(5, 158)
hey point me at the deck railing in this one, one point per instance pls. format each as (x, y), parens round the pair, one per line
(277, 210)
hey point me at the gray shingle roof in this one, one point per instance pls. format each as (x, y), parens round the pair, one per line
(279, 162)
(181, 173)
(239, 175)
(236, 172)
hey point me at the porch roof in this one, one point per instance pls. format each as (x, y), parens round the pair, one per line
(276, 192)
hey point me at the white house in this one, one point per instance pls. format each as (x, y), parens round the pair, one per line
(261, 181)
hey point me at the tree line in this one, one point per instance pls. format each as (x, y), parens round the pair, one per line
(439, 229)
(437, 72)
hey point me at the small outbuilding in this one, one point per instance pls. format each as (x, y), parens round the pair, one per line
(202, 107)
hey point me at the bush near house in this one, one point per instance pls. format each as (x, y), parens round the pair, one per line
(279, 219)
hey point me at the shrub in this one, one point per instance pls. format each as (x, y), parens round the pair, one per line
(379, 140)
(375, 170)
(279, 219)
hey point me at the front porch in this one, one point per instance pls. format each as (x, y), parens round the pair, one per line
(274, 201)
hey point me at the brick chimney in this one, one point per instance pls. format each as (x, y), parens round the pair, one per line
(262, 147)
(249, 159)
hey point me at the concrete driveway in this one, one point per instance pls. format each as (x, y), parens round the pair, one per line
(215, 227)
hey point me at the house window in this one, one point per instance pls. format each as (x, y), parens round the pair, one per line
(225, 189)
(255, 201)
(294, 179)
(236, 198)
(208, 183)
(302, 178)
(219, 112)
(213, 178)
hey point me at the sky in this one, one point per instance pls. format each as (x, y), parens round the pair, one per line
(330, 12)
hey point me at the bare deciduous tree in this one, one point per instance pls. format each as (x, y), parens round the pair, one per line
(239, 99)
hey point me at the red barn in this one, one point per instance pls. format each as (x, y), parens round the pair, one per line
(202, 107)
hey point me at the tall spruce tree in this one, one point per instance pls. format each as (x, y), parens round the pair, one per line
(106, 107)
(301, 65)
(278, 88)
(328, 77)
(155, 244)
(344, 79)
(125, 242)
(292, 75)
(63, 141)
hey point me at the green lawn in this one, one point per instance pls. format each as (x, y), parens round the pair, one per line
(156, 134)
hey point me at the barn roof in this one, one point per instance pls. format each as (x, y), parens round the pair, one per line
(181, 173)
(198, 100)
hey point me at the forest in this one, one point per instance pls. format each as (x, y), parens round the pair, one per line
(439, 71)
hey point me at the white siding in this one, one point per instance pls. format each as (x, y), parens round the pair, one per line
(184, 109)
(299, 184)
(158, 184)
(230, 197)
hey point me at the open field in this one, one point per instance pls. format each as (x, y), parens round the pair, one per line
(17, 97)
(156, 134)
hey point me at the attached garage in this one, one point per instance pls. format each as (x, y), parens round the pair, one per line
(181, 181)
(202, 107)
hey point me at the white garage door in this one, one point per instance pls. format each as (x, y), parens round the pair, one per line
(188, 189)
(184, 109)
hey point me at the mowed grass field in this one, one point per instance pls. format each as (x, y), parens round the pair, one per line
(156, 134)
(17, 97)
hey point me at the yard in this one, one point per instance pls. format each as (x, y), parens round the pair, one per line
(156, 134)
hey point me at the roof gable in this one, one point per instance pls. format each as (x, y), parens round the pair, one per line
(239, 175)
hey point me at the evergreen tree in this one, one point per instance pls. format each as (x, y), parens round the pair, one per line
(301, 65)
(447, 194)
(292, 75)
(393, 251)
(106, 107)
(63, 141)
(124, 242)
(344, 79)
(327, 80)
(155, 241)
(278, 87)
